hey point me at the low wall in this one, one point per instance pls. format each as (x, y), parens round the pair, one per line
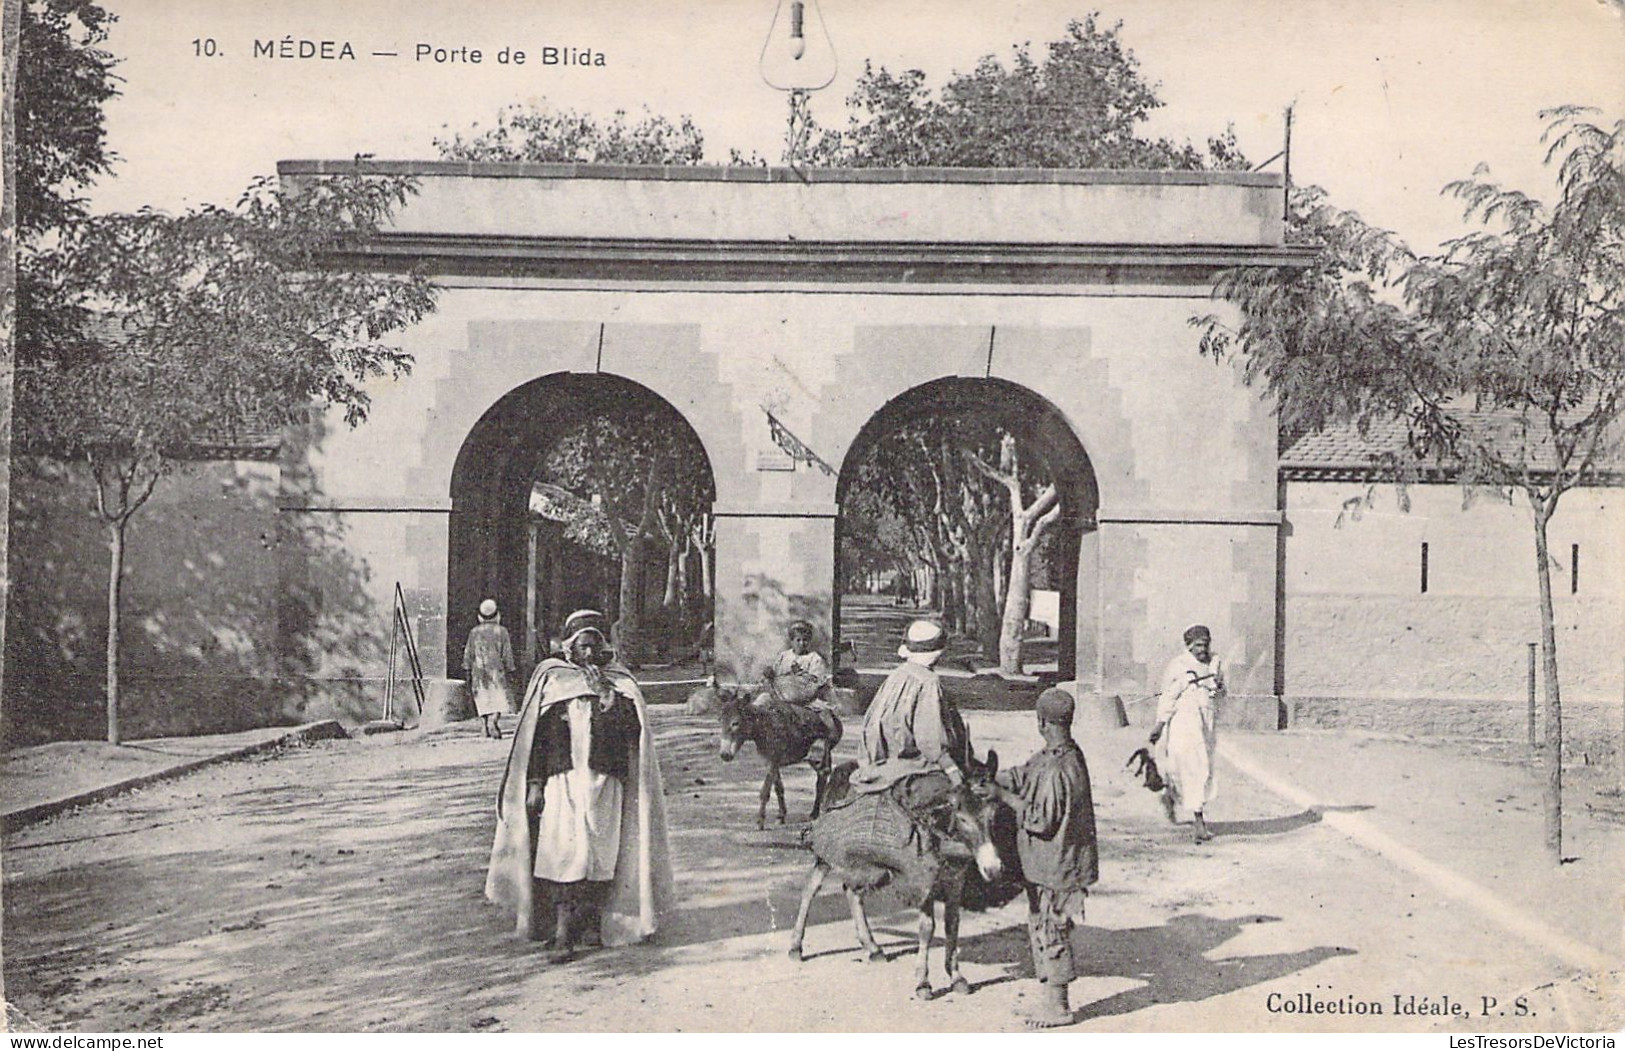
(1591, 729)
(75, 708)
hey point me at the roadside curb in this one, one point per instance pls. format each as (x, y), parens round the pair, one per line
(326, 730)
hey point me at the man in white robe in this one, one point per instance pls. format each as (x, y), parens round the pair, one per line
(580, 815)
(1191, 686)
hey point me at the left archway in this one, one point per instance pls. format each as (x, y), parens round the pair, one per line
(535, 564)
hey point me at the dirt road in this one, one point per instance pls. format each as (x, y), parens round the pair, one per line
(338, 887)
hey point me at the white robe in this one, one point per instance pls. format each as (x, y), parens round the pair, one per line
(579, 835)
(1186, 707)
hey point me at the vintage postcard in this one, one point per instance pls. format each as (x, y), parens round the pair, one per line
(815, 516)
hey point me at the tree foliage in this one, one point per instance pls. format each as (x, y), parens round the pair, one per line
(64, 78)
(540, 134)
(212, 328)
(1079, 106)
(218, 323)
(1504, 352)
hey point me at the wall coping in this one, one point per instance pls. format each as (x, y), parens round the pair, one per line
(385, 504)
(1181, 516)
(751, 174)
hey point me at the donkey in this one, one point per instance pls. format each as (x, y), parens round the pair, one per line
(869, 844)
(784, 733)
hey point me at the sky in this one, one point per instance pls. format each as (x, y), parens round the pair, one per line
(1393, 98)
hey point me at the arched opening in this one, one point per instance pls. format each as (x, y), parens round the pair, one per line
(583, 491)
(955, 495)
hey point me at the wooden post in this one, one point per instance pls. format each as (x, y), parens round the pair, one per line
(1532, 744)
(389, 673)
(1286, 168)
(530, 598)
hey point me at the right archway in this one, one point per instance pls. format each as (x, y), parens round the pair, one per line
(925, 525)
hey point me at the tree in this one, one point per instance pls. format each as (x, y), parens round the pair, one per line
(538, 134)
(1079, 107)
(64, 77)
(212, 327)
(10, 32)
(636, 469)
(1029, 520)
(1504, 352)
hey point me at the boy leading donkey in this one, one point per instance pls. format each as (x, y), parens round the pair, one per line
(1059, 856)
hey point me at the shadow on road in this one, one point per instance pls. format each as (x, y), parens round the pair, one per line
(1170, 961)
(339, 888)
(1275, 826)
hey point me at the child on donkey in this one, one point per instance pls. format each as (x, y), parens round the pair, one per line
(800, 676)
(1056, 842)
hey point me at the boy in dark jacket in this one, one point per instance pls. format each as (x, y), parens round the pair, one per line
(1059, 858)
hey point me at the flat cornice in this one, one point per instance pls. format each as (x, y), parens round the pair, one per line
(804, 176)
(1603, 477)
(835, 261)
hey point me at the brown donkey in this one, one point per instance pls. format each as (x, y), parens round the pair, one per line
(784, 733)
(873, 842)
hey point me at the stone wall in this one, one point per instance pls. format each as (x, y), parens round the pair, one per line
(200, 610)
(1357, 623)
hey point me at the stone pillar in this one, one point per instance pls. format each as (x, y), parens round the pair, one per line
(1162, 571)
(773, 566)
(1086, 602)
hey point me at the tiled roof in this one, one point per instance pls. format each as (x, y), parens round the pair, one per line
(1343, 448)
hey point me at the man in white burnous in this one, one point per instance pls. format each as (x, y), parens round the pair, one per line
(1191, 688)
(581, 823)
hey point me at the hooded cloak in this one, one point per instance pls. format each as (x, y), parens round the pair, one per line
(642, 891)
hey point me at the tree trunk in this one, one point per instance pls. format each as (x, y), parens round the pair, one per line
(674, 558)
(995, 556)
(629, 625)
(1017, 604)
(987, 599)
(10, 29)
(1554, 703)
(684, 594)
(947, 591)
(115, 588)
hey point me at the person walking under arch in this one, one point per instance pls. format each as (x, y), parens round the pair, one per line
(488, 659)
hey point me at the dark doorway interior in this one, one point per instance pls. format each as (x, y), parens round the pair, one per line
(523, 532)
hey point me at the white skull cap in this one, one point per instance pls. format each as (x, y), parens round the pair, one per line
(923, 636)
